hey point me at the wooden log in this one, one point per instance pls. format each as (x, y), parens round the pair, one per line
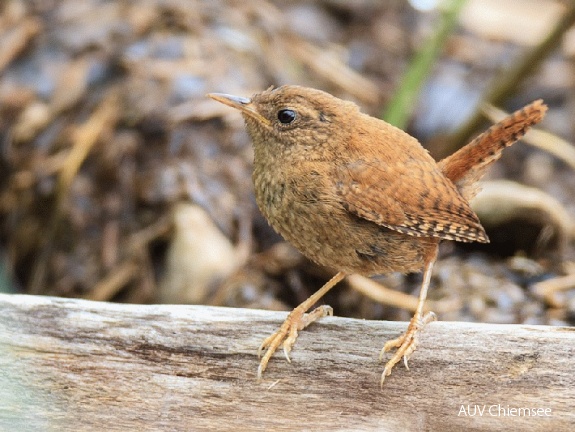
(76, 365)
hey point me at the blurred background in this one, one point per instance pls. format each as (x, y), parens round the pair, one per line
(120, 181)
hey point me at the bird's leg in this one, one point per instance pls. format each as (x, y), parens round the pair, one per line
(296, 320)
(407, 342)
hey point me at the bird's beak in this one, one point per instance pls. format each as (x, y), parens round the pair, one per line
(243, 104)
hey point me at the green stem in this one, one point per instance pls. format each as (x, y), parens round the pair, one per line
(401, 105)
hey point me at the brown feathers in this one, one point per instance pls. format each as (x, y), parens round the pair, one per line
(466, 166)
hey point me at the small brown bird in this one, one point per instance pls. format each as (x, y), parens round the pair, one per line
(359, 195)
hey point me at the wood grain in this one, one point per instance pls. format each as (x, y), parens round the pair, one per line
(76, 365)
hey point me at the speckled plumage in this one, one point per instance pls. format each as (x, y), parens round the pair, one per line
(356, 194)
(363, 198)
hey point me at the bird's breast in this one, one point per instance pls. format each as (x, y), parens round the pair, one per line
(306, 212)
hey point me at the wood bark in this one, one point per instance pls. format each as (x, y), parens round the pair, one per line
(76, 365)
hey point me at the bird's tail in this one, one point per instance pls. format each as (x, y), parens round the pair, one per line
(467, 165)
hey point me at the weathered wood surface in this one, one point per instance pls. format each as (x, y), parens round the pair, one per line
(73, 365)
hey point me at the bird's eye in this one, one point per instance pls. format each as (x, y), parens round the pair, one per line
(286, 116)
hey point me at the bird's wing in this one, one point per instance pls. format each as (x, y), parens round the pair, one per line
(408, 197)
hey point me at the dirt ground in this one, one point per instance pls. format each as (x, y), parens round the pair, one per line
(121, 181)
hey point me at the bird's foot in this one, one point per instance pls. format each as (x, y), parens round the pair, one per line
(405, 344)
(288, 332)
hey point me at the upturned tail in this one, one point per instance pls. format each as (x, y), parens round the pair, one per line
(467, 165)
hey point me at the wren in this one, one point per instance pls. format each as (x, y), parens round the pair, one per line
(356, 194)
